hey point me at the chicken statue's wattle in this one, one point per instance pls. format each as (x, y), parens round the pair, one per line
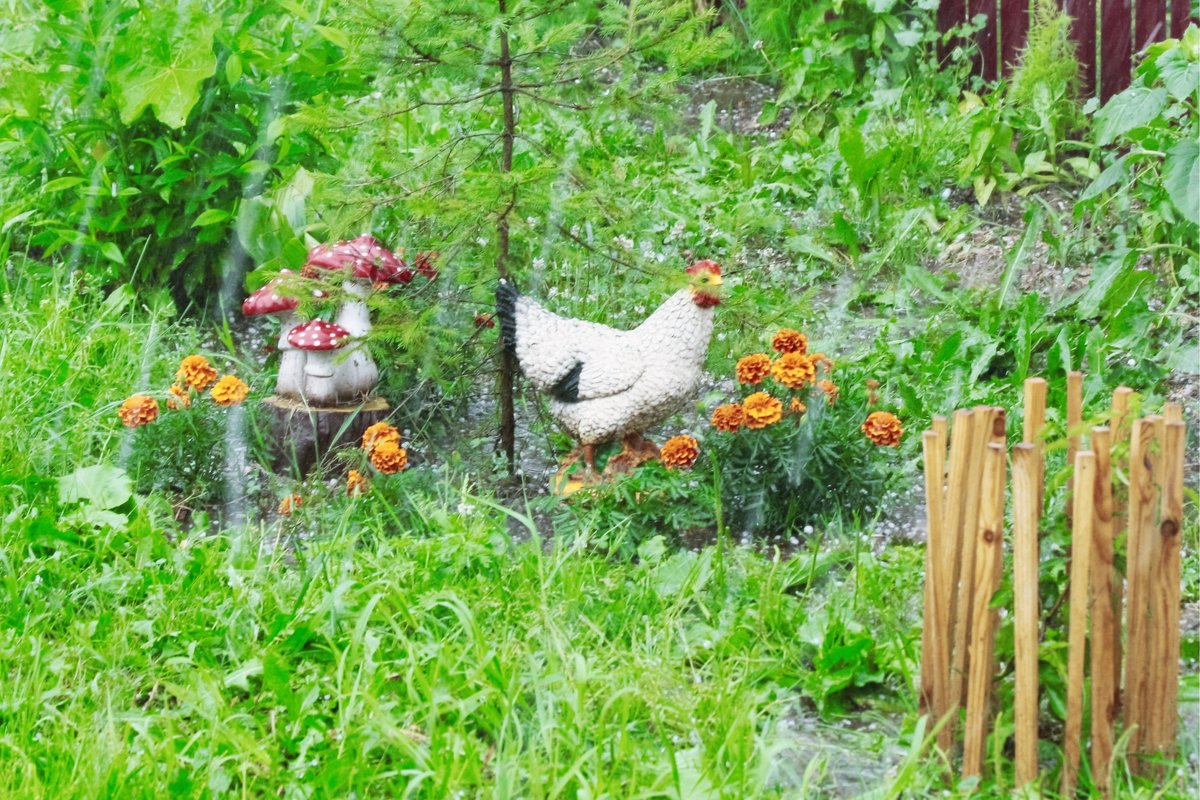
(606, 384)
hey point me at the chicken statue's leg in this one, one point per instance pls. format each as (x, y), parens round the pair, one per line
(589, 461)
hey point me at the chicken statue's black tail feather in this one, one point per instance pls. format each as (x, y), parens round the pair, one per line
(506, 310)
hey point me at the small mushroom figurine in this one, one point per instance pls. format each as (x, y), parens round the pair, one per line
(319, 340)
(291, 364)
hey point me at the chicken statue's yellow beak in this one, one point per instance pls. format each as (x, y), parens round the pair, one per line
(705, 280)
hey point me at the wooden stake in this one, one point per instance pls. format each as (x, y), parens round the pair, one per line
(939, 427)
(935, 643)
(1034, 427)
(988, 563)
(1035, 410)
(1081, 545)
(1026, 491)
(1120, 426)
(1162, 691)
(1106, 615)
(985, 421)
(963, 474)
(1143, 547)
(1074, 420)
(1172, 412)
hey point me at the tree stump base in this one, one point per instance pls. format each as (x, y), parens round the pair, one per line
(301, 435)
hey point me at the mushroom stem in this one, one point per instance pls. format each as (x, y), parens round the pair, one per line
(290, 382)
(320, 388)
(356, 373)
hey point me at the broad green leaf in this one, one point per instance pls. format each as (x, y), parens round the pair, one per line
(233, 69)
(211, 217)
(58, 184)
(333, 35)
(112, 252)
(1116, 172)
(1181, 179)
(850, 145)
(881, 6)
(1130, 109)
(165, 70)
(1180, 76)
(1101, 281)
(102, 485)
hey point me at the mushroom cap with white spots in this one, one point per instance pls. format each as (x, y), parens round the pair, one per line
(267, 301)
(364, 257)
(318, 334)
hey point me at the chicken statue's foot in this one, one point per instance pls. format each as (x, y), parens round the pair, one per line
(635, 451)
(567, 482)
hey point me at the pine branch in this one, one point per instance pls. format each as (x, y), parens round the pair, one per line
(458, 101)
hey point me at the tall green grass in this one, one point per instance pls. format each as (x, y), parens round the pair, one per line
(68, 357)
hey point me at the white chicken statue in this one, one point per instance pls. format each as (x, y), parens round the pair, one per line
(606, 384)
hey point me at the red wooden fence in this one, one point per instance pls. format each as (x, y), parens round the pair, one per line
(1108, 34)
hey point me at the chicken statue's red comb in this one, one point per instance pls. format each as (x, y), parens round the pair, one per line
(704, 265)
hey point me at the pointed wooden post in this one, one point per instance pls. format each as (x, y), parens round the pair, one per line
(1106, 616)
(935, 646)
(1143, 552)
(1074, 420)
(988, 563)
(1120, 425)
(1034, 426)
(1026, 491)
(966, 444)
(1081, 545)
(1162, 691)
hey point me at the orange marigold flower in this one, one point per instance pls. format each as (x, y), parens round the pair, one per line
(229, 391)
(761, 410)
(830, 389)
(379, 433)
(790, 341)
(357, 483)
(753, 368)
(797, 407)
(872, 395)
(883, 428)
(196, 373)
(179, 398)
(138, 410)
(288, 504)
(823, 361)
(389, 457)
(794, 370)
(679, 452)
(728, 417)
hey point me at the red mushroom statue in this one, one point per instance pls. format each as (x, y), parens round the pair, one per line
(291, 363)
(320, 340)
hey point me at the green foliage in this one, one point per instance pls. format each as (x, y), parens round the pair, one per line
(809, 466)
(151, 142)
(1017, 134)
(185, 454)
(1044, 86)
(620, 516)
(1148, 140)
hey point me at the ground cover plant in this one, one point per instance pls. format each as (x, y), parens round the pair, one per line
(415, 619)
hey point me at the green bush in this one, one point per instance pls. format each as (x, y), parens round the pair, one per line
(145, 139)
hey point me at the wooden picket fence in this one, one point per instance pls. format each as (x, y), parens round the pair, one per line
(1120, 28)
(964, 561)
